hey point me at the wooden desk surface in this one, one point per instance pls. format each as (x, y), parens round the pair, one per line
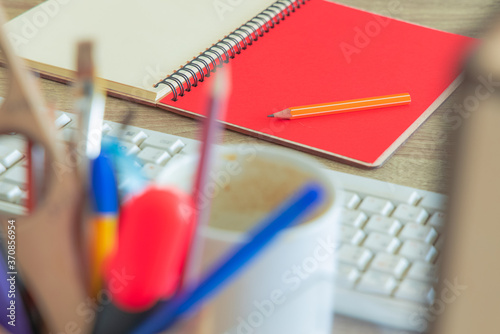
(423, 162)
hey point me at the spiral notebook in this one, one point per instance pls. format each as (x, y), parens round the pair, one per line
(282, 54)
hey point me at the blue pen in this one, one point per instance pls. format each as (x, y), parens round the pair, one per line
(104, 188)
(105, 198)
(293, 211)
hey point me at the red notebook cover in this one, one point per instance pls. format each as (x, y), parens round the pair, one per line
(325, 52)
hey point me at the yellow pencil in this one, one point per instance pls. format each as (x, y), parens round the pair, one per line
(104, 239)
(343, 106)
(104, 226)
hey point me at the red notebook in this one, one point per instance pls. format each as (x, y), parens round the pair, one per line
(319, 52)
(325, 52)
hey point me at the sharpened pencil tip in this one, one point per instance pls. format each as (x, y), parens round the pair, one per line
(272, 115)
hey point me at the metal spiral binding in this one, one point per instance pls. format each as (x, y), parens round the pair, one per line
(195, 71)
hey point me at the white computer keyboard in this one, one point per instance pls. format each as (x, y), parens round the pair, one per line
(390, 234)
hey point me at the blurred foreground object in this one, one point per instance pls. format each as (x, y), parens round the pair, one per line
(467, 301)
(47, 243)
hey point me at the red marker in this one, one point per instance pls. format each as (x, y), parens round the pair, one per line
(155, 231)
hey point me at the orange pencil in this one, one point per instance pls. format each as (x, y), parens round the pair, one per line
(343, 106)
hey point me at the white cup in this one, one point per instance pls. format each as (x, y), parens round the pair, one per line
(288, 288)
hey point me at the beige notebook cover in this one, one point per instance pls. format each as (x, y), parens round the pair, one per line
(149, 39)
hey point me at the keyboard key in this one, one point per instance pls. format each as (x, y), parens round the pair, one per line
(377, 282)
(437, 221)
(106, 128)
(129, 148)
(350, 200)
(379, 242)
(11, 158)
(74, 124)
(9, 192)
(374, 205)
(352, 217)
(383, 224)
(418, 251)
(418, 232)
(415, 291)
(159, 142)
(23, 199)
(176, 147)
(398, 195)
(390, 264)
(406, 214)
(408, 196)
(351, 235)
(132, 136)
(126, 185)
(423, 271)
(153, 155)
(346, 275)
(151, 170)
(2, 168)
(439, 243)
(67, 134)
(434, 202)
(62, 120)
(370, 187)
(9, 143)
(354, 255)
(17, 175)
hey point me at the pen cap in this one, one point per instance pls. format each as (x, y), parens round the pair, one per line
(155, 230)
(104, 185)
